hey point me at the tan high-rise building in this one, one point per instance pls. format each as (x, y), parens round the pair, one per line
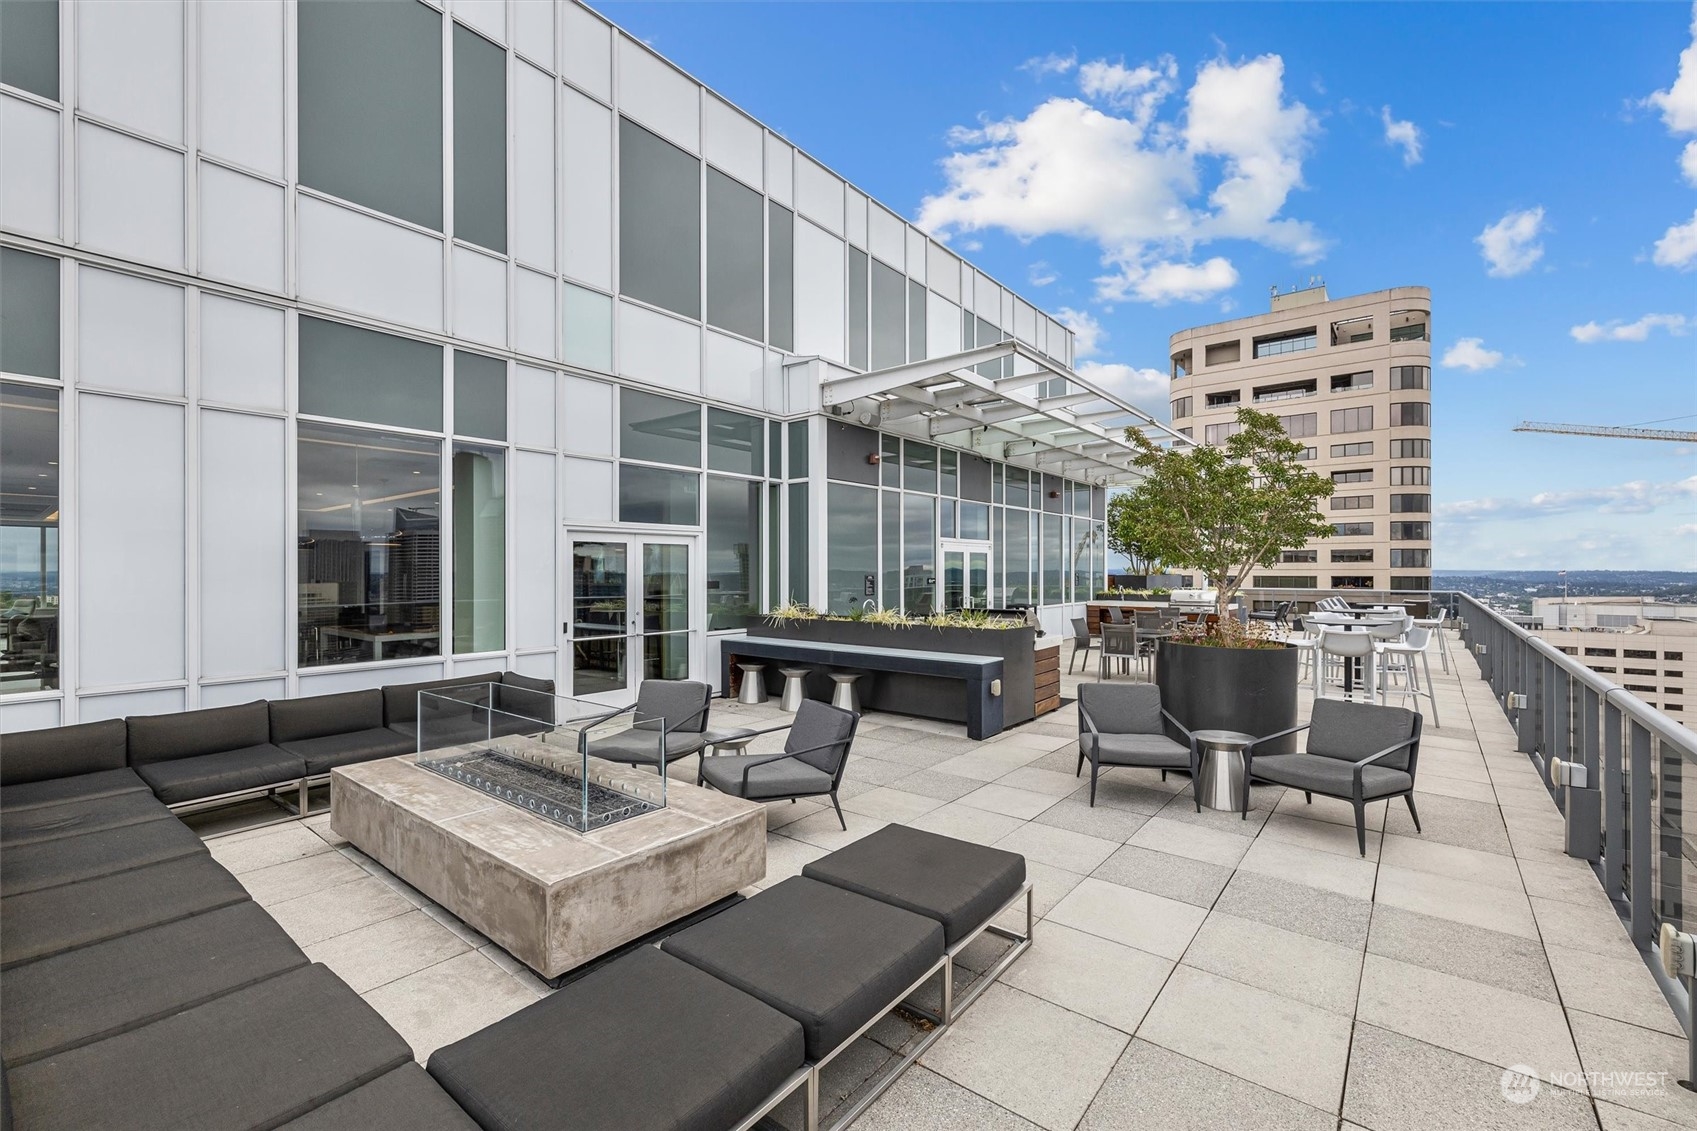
(1637, 642)
(1352, 379)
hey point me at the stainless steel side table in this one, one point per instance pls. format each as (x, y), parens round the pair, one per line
(1220, 783)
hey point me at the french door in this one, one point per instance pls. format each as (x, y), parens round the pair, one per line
(966, 574)
(630, 613)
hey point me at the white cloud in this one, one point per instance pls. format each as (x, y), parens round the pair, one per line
(1040, 274)
(1470, 353)
(1148, 389)
(1636, 497)
(1148, 188)
(1042, 66)
(1678, 246)
(1403, 133)
(1688, 162)
(1622, 331)
(1087, 333)
(1510, 246)
(1678, 103)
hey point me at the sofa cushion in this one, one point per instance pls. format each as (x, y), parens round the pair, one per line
(1136, 750)
(68, 818)
(97, 991)
(322, 754)
(316, 716)
(400, 700)
(210, 775)
(56, 752)
(164, 738)
(47, 863)
(790, 777)
(956, 882)
(406, 1099)
(106, 783)
(252, 1058)
(829, 958)
(527, 682)
(645, 1043)
(57, 919)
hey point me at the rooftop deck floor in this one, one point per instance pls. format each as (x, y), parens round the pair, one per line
(1190, 970)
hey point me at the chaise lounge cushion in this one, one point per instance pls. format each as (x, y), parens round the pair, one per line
(645, 1043)
(69, 818)
(57, 919)
(230, 771)
(94, 992)
(829, 958)
(56, 752)
(252, 1058)
(164, 738)
(47, 863)
(105, 783)
(406, 1099)
(956, 882)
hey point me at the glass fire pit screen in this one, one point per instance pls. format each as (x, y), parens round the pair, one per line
(581, 765)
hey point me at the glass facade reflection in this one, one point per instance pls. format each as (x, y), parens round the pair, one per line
(29, 537)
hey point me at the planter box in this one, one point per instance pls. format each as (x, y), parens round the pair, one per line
(1252, 690)
(922, 696)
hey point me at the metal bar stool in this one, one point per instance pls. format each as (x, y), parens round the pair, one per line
(795, 688)
(844, 694)
(753, 684)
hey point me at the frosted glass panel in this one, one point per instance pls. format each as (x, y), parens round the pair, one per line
(129, 333)
(244, 504)
(589, 329)
(241, 353)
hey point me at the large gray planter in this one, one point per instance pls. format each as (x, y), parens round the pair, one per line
(1252, 690)
(922, 696)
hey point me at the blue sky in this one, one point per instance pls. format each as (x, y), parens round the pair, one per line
(1150, 167)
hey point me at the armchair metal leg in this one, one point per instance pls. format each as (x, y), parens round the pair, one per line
(1409, 797)
(1094, 769)
(1361, 825)
(1308, 798)
(839, 810)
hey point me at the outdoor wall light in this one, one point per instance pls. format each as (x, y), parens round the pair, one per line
(872, 457)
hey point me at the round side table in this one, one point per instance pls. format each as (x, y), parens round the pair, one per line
(1220, 783)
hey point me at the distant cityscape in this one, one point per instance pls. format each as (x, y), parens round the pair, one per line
(1514, 590)
(27, 582)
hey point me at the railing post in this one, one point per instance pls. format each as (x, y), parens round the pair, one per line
(1643, 914)
(1614, 803)
(1526, 719)
(1561, 720)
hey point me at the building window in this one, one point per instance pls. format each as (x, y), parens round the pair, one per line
(1351, 529)
(851, 546)
(1410, 377)
(780, 264)
(1352, 581)
(1411, 476)
(1363, 476)
(1344, 451)
(1181, 408)
(1411, 504)
(1219, 433)
(29, 306)
(1351, 382)
(915, 321)
(1411, 449)
(1639, 653)
(659, 429)
(1673, 655)
(1284, 391)
(734, 442)
(889, 317)
(1299, 557)
(1285, 581)
(1054, 560)
(1411, 331)
(1601, 652)
(370, 105)
(1303, 424)
(1187, 433)
(800, 572)
(370, 545)
(480, 549)
(357, 374)
(1351, 557)
(29, 47)
(948, 472)
(1411, 414)
(659, 222)
(1352, 330)
(29, 535)
(735, 277)
(1358, 419)
(1018, 487)
(1638, 671)
(1307, 454)
(1414, 583)
(919, 555)
(1639, 687)
(1352, 502)
(656, 495)
(1286, 343)
(733, 552)
(1222, 353)
(480, 396)
(1221, 400)
(1411, 559)
(480, 140)
(919, 464)
(1411, 532)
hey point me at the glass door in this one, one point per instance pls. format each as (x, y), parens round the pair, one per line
(630, 614)
(966, 574)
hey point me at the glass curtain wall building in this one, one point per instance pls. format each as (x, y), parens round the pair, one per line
(344, 343)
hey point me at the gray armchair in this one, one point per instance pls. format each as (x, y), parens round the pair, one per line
(1356, 752)
(1082, 641)
(810, 766)
(676, 708)
(1124, 724)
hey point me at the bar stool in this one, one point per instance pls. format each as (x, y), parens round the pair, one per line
(795, 688)
(753, 684)
(844, 695)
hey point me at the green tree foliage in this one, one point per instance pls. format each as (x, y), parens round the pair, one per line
(1120, 540)
(1222, 510)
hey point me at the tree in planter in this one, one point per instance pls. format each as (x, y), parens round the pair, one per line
(1121, 539)
(1223, 510)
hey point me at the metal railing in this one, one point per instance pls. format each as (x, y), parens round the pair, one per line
(1632, 819)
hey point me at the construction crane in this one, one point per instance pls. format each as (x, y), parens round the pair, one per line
(1610, 431)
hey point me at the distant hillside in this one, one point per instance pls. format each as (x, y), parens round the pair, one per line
(1520, 586)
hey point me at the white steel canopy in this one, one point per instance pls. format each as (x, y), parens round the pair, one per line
(1078, 432)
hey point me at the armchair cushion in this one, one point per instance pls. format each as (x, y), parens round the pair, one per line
(1137, 750)
(681, 702)
(1352, 731)
(820, 736)
(639, 745)
(41, 755)
(1120, 708)
(786, 777)
(1331, 776)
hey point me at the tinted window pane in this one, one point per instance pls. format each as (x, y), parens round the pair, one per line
(919, 554)
(480, 140)
(915, 321)
(370, 79)
(857, 308)
(890, 461)
(735, 276)
(889, 317)
(974, 520)
(652, 494)
(781, 272)
(733, 551)
(659, 429)
(920, 464)
(890, 508)
(29, 313)
(1019, 558)
(735, 442)
(799, 588)
(1053, 560)
(480, 550)
(359, 374)
(851, 519)
(29, 536)
(370, 545)
(29, 46)
(480, 396)
(948, 480)
(659, 222)
(798, 449)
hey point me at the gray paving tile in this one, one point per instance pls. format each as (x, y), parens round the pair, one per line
(335, 911)
(998, 798)
(1296, 966)
(924, 1101)
(1199, 842)
(1153, 1087)
(875, 771)
(1452, 820)
(1624, 1054)
(1351, 876)
(1133, 918)
(298, 877)
(891, 803)
(1470, 864)
(1137, 791)
(1478, 905)
(943, 787)
(1580, 926)
(1103, 980)
(1506, 961)
(1060, 848)
(442, 1003)
(1324, 836)
(375, 955)
(958, 819)
(1262, 799)
(1176, 877)
(263, 848)
(1101, 821)
(1619, 986)
(1616, 1118)
(1400, 1084)
(1306, 910)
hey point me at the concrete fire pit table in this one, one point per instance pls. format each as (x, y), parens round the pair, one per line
(552, 898)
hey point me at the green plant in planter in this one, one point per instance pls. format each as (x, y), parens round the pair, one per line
(1227, 632)
(793, 611)
(1224, 510)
